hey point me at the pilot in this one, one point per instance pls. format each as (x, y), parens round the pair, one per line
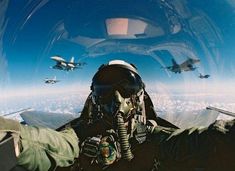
(119, 130)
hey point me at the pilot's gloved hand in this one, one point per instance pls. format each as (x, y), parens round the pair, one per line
(101, 149)
(90, 146)
(151, 125)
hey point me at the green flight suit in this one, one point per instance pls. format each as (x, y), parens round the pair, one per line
(196, 149)
(167, 149)
(42, 149)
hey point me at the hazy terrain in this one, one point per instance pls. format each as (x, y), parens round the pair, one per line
(184, 110)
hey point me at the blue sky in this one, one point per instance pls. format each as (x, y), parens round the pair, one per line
(29, 37)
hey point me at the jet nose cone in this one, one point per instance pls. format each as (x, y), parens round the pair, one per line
(55, 57)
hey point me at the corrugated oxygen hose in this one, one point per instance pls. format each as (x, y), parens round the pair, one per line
(122, 133)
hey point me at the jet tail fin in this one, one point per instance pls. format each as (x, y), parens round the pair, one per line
(173, 62)
(72, 59)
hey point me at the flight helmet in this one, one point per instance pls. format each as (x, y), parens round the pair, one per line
(117, 87)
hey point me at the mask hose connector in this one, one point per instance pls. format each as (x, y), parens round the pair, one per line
(122, 134)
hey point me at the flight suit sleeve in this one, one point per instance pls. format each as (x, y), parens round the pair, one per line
(196, 148)
(43, 148)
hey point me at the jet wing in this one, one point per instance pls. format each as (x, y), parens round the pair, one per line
(221, 111)
(76, 64)
(46, 119)
(189, 63)
(186, 64)
(199, 118)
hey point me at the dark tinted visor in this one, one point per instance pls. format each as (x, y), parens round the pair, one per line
(106, 91)
(109, 79)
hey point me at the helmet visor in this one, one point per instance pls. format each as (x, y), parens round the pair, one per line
(106, 92)
(110, 79)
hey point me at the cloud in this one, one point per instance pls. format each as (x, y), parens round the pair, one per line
(188, 110)
(68, 103)
(184, 110)
(60, 99)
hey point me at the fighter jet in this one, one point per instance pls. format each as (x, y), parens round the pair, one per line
(187, 65)
(51, 81)
(203, 76)
(62, 64)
